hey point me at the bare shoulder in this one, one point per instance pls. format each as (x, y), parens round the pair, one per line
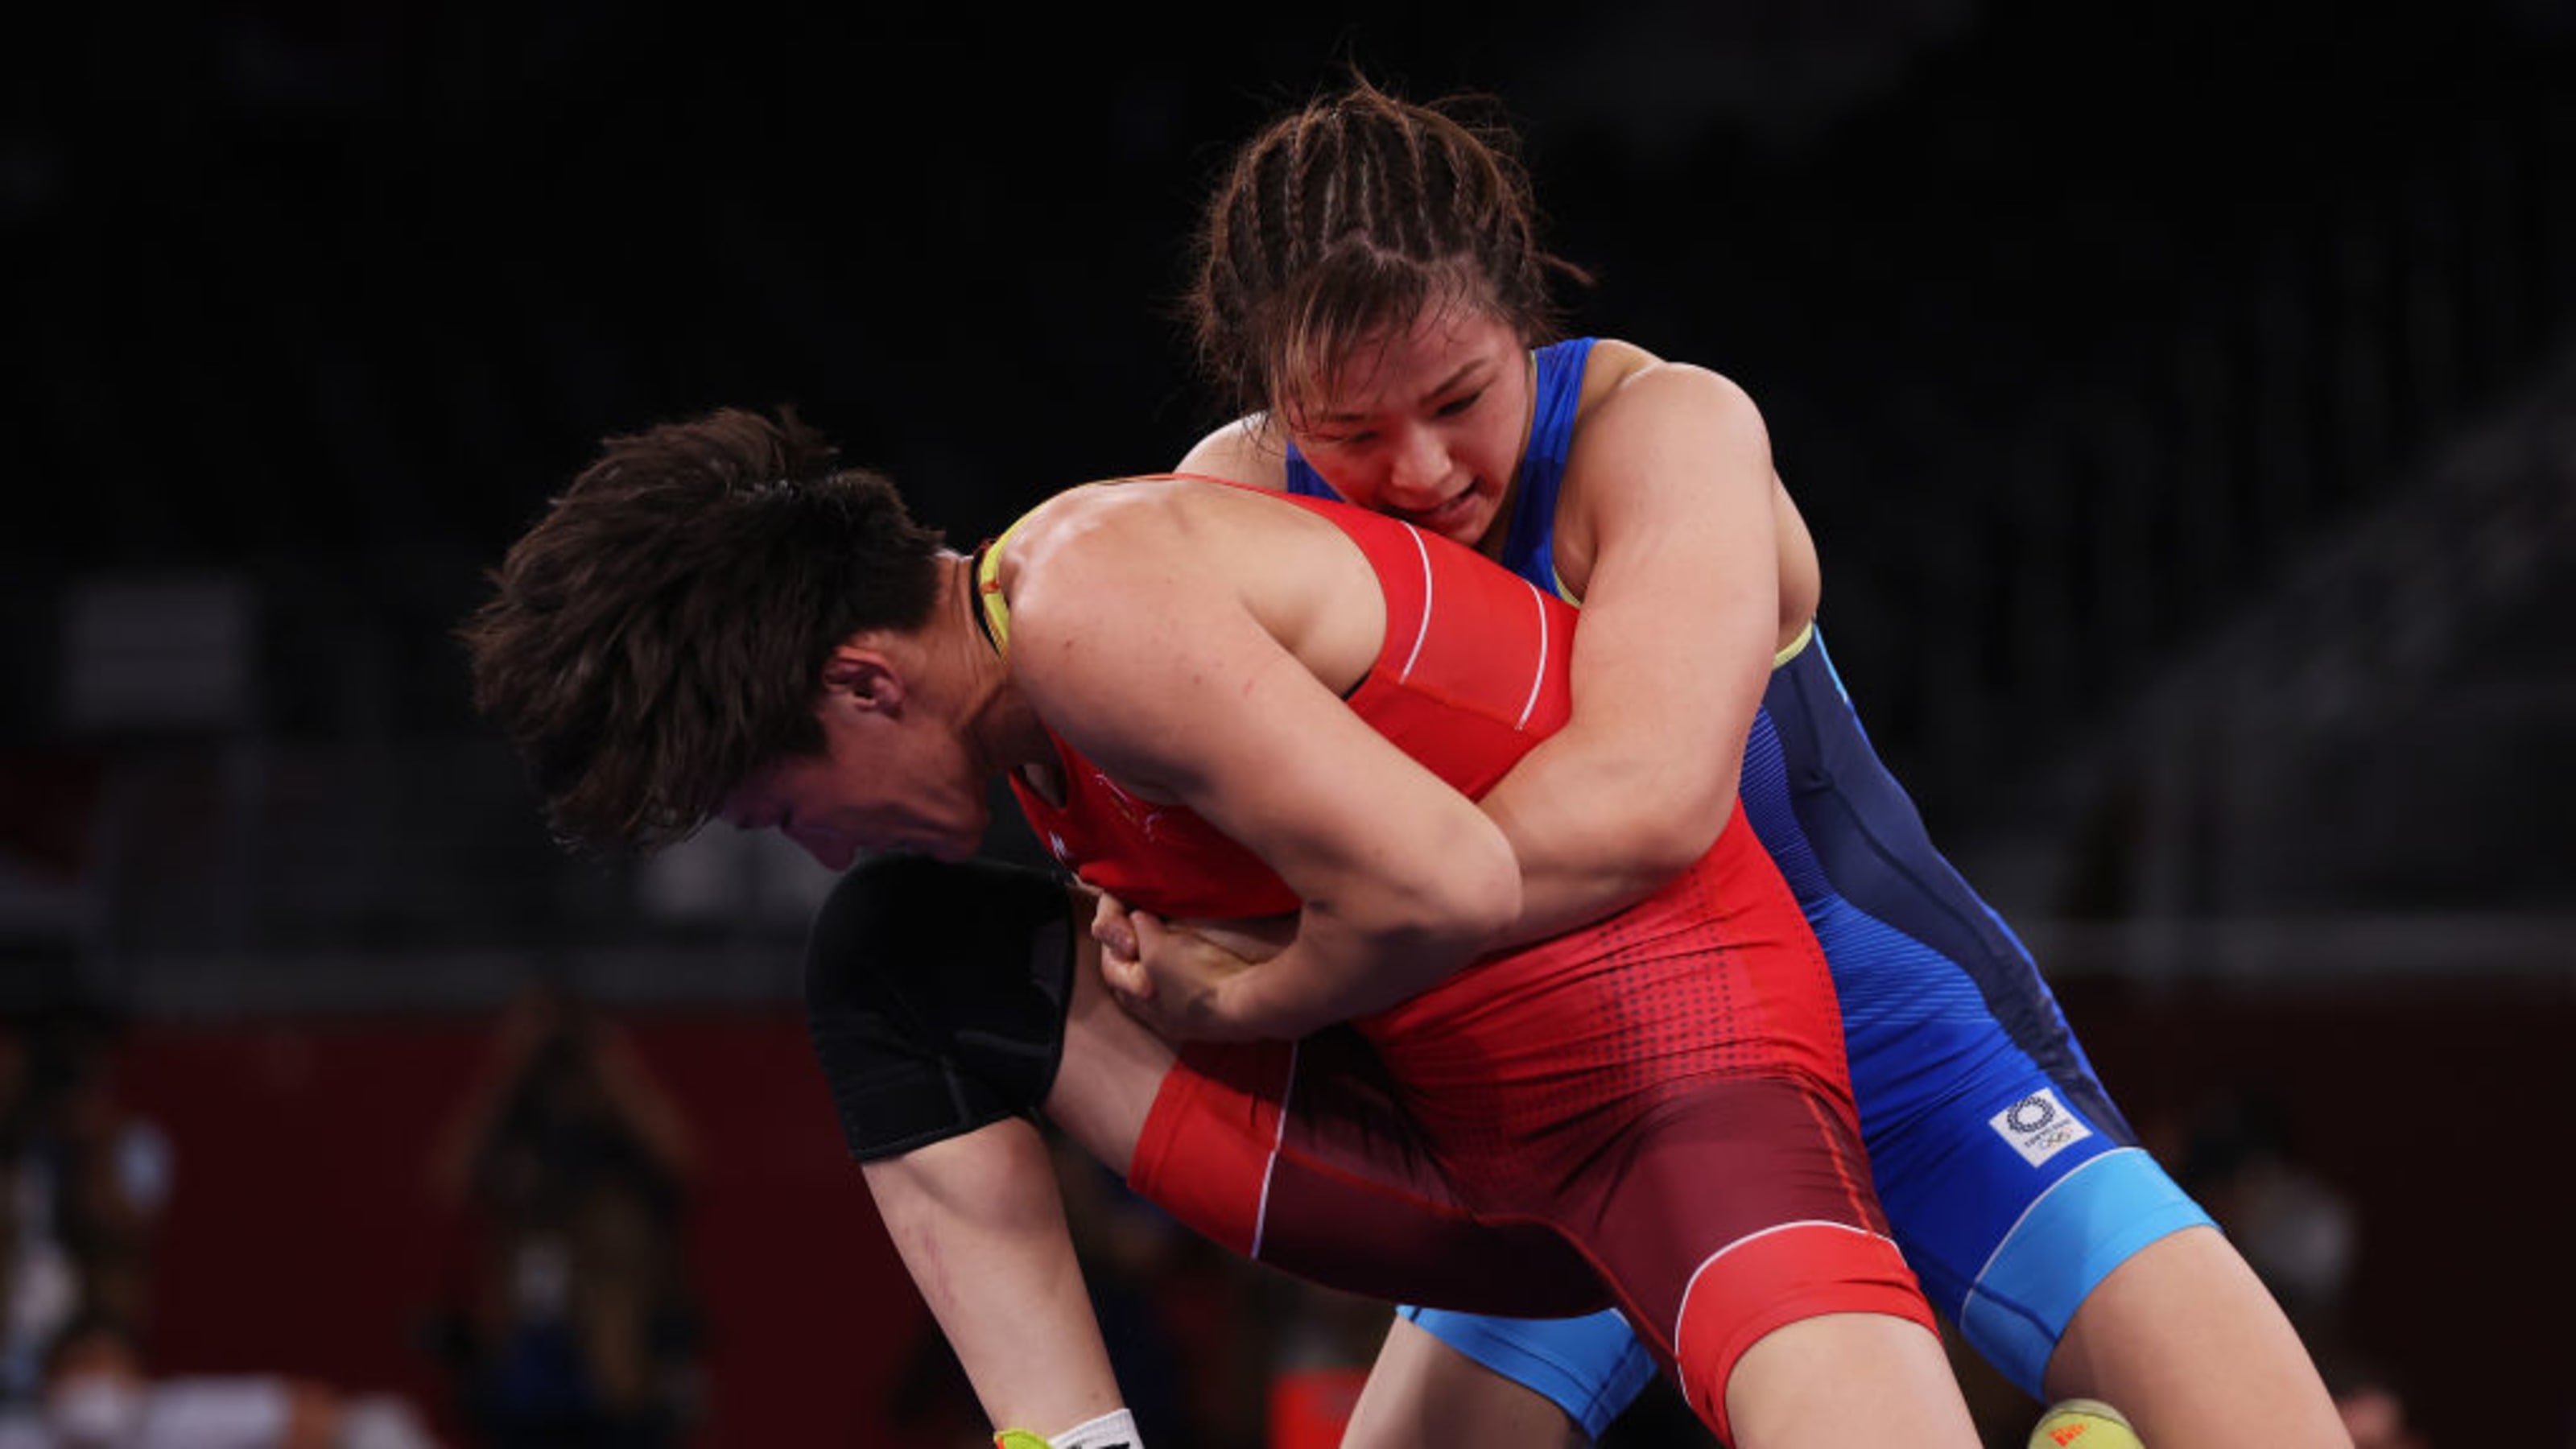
(1143, 543)
(1090, 579)
(1246, 450)
(1127, 598)
(1087, 528)
(1637, 384)
(1640, 380)
(1613, 361)
(1647, 442)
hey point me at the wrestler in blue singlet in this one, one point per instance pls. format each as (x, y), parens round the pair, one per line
(2012, 1182)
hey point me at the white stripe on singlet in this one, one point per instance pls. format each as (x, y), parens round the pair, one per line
(1424, 630)
(1538, 676)
(1261, 1215)
(1682, 1310)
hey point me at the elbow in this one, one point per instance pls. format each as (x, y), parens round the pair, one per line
(1469, 899)
(1675, 843)
(1650, 815)
(1663, 837)
(1485, 893)
(1499, 902)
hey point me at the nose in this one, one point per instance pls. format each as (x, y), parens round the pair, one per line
(1419, 471)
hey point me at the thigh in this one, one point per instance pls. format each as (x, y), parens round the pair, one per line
(2015, 1195)
(1448, 1378)
(1483, 1378)
(1112, 1069)
(1297, 1154)
(1686, 1198)
(1742, 1211)
(2187, 1341)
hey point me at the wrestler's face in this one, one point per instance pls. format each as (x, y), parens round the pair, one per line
(1426, 423)
(884, 782)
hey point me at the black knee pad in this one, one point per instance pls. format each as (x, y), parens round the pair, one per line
(935, 995)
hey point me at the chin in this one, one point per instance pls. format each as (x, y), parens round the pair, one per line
(1482, 511)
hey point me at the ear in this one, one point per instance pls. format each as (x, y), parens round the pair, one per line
(865, 677)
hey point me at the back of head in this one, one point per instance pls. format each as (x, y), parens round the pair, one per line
(1353, 216)
(662, 629)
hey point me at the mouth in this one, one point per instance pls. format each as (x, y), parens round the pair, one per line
(1450, 518)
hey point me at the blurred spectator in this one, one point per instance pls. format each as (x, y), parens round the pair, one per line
(1139, 1264)
(2373, 1404)
(931, 1404)
(97, 1396)
(2297, 1230)
(581, 1327)
(83, 1184)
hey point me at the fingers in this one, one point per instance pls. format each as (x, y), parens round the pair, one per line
(1145, 934)
(1128, 939)
(1126, 977)
(1133, 991)
(1110, 927)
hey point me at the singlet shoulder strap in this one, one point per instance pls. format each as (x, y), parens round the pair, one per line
(1530, 548)
(992, 611)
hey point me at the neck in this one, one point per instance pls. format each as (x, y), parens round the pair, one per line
(1000, 726)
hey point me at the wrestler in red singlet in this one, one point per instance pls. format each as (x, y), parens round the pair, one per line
(1658, 1101)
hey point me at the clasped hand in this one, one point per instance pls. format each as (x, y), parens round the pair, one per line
(1176, 979)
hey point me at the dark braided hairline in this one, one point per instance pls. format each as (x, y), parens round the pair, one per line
(1282, 213)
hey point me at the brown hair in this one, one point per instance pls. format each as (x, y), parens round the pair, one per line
(661, 631)
(1355, 214)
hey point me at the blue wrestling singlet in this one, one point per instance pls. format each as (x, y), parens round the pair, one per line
(2011, 1182)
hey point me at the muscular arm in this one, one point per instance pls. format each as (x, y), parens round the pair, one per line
(1680, 620)
(1146, 657)
(1672, 476)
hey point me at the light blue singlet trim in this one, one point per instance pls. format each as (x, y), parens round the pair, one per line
(1592, 1367)
(2085, 1225)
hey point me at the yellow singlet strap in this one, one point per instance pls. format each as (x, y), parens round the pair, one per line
(996, 610)
(1797, 646)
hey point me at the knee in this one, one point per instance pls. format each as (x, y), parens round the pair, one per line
(935, 997)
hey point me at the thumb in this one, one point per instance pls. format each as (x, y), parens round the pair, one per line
(1147, 930)
(1117, 940)
(1126, 976)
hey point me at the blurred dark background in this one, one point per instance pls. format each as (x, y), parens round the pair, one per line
(2184, 401)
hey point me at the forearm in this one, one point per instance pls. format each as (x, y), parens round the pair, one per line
(1596, 828)
(1671, 483)
(979, 1222)
(1340, 956)
(1330, 972)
